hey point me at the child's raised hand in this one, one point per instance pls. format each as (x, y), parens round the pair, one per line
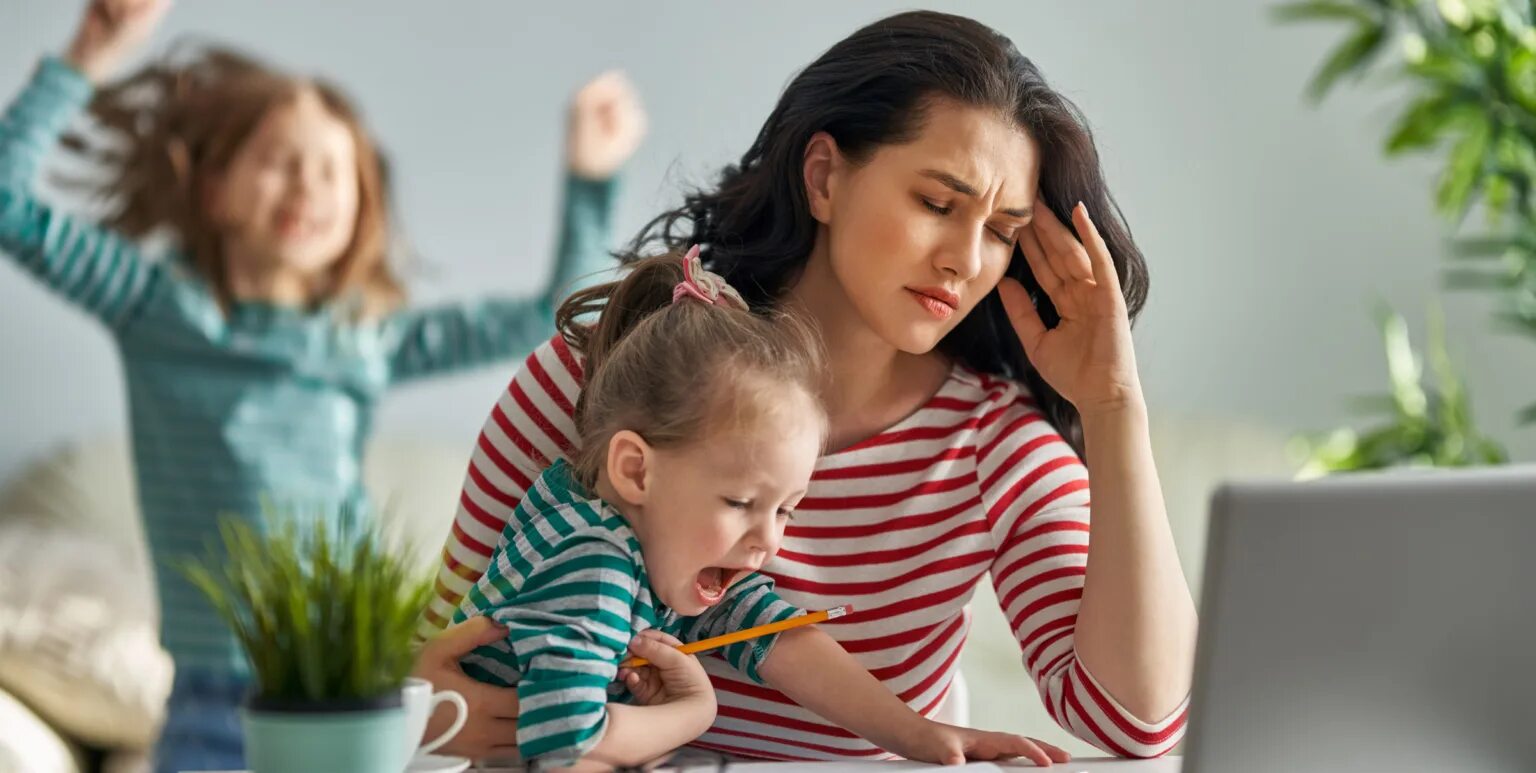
(949, 745)
(605, 126)
(671, 676)
(109, 31)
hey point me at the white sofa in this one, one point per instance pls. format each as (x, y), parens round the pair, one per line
(92, 700)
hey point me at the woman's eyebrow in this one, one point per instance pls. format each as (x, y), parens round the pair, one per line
(966, 189)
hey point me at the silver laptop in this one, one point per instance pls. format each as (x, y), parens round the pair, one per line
(1375, 622)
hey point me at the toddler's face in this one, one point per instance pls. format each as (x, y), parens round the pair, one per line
(290, 195)
(715, 510)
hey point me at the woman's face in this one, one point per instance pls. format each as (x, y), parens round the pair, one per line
(919, 234)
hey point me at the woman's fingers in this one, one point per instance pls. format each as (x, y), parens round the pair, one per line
(1039, 265)
(459, 640)
(1102, 263)
(1021, 311)
(1064, 251)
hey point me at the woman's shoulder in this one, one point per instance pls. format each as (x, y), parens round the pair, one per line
(1006, 418)
(986, 394)
(555, 360)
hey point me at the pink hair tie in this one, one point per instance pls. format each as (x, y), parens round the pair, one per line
(703, 285)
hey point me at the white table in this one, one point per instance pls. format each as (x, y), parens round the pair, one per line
(1084, 765)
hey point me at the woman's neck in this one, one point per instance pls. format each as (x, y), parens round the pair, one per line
(871, 384)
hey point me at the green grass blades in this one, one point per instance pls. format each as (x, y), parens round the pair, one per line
(322, 609)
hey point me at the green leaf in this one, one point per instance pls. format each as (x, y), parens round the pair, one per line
(1322, 10)
(1461, 278)
(1515, 322)
(1482, 247)
(1463, 170)
(1423, 123)
(1527, 414)
(1351, 57)
(1403, 365)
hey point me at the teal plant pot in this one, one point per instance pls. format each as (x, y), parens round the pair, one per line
(341, 737)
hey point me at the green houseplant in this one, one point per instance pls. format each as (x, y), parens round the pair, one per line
(1469, 69)
(325, 615)
(1430, 424)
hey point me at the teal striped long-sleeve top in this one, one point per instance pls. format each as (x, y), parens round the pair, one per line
(568, 581)
(259, 407)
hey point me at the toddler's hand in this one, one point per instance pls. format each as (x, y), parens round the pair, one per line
(671, 675)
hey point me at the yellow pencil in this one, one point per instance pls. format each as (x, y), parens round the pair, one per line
(810, 618)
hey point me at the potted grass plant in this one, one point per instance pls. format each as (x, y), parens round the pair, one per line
(325, 615)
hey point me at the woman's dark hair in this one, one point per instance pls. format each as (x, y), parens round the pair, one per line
(871, 89)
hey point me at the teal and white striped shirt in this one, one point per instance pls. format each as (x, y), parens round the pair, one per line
(264, 404)
(568, 581)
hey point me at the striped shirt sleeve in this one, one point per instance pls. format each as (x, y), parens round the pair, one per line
(1035, 490)
(443, 339)
(95, 269)
(458, 336)
(530, 427)
(568, 628)
(749, 603)
(586, 235)
(34, 121)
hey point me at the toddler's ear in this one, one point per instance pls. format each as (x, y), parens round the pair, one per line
(628, 467)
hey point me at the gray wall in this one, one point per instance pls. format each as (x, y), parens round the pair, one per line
(1269, 226)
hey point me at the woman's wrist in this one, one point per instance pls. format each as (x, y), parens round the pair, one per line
(1131, 407)
(916, 740)
(904, 736)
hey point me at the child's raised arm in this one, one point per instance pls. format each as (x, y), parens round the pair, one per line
(92, 267)
(605, 125)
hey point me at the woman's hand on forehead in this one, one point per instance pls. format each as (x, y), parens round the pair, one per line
(1087, 356)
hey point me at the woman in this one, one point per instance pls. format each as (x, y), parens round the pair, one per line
(939, 211)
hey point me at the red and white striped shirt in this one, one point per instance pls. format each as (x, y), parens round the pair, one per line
(903, 526)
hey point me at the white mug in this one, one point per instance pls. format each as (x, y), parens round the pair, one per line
(420, 701)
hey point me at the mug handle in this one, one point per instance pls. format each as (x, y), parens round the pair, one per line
(460, 708)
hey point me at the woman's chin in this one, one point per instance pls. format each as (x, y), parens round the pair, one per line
(915, 339)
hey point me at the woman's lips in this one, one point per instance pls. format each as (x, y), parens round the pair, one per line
(937, 301)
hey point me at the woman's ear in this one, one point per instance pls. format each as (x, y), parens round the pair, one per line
(628, 466)
(820, 166)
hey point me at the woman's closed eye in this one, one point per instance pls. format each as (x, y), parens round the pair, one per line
(939, 209)
(1005, 234)
(738, 504)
